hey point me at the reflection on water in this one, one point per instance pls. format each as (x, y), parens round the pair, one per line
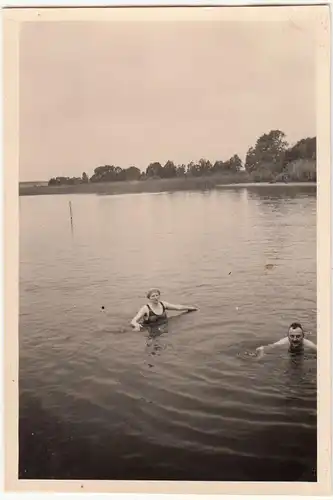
(185, 400)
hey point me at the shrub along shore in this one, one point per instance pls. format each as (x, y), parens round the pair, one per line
(302, 175)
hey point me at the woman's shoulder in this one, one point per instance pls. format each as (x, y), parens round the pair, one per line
(144, 308)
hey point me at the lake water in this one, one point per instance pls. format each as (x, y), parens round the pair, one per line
(100, 401)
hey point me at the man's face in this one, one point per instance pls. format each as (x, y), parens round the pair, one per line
(295, 336)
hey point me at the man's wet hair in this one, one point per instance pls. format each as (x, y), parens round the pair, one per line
(295, 325)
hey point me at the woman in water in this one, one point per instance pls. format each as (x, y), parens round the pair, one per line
(155, 310)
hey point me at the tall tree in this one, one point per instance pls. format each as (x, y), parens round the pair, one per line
(234, 164)
(181, 170)
(305, 149)
(191, 169)
(205, 167)
(132, 173)
(218, 167)
(154, 169)
(169, 170)
(103, 173)
(269, 152)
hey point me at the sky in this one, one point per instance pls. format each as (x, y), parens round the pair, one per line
(131, 93)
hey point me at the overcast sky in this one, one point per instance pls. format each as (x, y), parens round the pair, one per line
(124, 93)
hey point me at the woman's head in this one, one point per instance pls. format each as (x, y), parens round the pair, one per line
(153, 294)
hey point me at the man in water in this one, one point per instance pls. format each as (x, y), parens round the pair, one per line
(295, 341)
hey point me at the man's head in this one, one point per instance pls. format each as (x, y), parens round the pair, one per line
(296, 334)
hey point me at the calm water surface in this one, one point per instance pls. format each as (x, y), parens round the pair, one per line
(100, 401)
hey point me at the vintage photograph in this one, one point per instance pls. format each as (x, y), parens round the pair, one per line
(168, 170)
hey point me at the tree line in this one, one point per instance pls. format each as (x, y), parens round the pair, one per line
(271, 153)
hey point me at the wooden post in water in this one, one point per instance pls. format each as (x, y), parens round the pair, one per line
(71, 214)
(70, 211)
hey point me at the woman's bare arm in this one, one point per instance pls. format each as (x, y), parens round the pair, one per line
(135, 321)
(178, 307)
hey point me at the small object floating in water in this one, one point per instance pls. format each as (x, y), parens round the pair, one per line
(251, 354)
(269, 266)
(102, 307)
(237, 308)
(229, 273)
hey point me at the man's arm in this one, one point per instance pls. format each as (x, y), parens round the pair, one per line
(260, 350)
(178, 307)
(310, 344)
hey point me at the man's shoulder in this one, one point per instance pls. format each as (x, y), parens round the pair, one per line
(282, 341)
(309, 343)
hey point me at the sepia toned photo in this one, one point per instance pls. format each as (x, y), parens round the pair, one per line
(170, 176)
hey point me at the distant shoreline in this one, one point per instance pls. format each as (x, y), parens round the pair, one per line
(268, 184)
(153, 186)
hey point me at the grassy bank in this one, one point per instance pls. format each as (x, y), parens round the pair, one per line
(299, 173)
(144, 186)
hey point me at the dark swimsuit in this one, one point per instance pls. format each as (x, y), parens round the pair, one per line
(153, 317)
